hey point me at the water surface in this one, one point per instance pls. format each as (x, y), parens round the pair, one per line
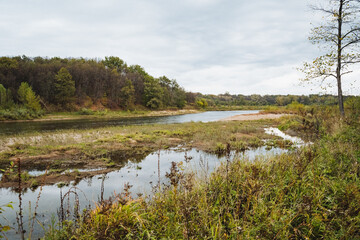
(7, 128)
(142, 176)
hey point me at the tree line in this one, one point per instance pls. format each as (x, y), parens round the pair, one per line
(71, 83)
(64, 83)
(227, 99)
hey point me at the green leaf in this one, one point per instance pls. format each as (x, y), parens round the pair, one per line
(9, 206)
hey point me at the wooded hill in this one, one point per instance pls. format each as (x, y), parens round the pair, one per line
(65, 82)
(72, 83)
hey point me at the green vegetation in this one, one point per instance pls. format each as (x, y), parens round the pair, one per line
(4, 228)
(96, 143)
(338, 36)
(70, 84)
(64, 87)
(114, 146)
(29, 103)
(312, 193)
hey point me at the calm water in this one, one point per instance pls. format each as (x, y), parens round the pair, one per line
(143, 176)
(39, 126)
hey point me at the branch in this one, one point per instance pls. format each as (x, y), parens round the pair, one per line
(351, 31)
(346, 73)
(350, 43)
(350, 62)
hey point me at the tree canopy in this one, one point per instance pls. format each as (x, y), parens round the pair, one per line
(111, 83)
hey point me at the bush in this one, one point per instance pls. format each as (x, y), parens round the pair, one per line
(86, 111)
(20, 113)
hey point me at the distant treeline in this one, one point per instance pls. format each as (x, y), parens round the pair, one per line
(265, 100)
(72, 83)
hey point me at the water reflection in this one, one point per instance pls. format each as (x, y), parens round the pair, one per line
(141, 175)
(7, 128)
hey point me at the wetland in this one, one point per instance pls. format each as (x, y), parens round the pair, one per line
(93, 163)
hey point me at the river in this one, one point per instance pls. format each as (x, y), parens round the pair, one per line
(11, 128)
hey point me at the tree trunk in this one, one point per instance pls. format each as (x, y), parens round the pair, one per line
(339, 58)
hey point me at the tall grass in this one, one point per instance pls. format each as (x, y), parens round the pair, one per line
(313, 193)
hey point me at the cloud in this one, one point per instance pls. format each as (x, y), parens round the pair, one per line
(210, 46)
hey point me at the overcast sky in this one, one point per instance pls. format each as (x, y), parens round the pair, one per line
(208, 46)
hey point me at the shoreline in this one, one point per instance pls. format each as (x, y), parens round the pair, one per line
(110, 115)
(253, 116)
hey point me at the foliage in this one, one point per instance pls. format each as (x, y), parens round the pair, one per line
(339, 36)
(64, 87)
(27, 97)
(128, 95)
(173, 94)
(3, 96)
(29, 109)
(115, 63)
(86, 111)
(4, 228)
(153, 93)
(54, 79)
(6, 100)
(106, 83)
(17, 113)
(353, 105)
(201, 103)
(312, 193)
(222, 100)
(7, 64)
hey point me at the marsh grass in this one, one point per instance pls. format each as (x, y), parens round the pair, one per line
(86, 145)
(312, 193)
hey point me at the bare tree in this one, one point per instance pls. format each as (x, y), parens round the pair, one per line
(339, 35)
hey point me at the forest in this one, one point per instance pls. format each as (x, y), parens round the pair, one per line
(31, 86)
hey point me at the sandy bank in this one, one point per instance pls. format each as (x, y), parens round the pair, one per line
(256, 116)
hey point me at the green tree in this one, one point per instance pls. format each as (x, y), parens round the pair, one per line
(153, 93)
(115, 63)
(28, 97)
(64, 87)
(3, 96)
(22, 92)
(179, 97)
(340, 36)
(9, 99)
(7, 64)
(128, 95)
(202, 103)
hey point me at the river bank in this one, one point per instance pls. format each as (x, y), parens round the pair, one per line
(256, 116)
(62, 116)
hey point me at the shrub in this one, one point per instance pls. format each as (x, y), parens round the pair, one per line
(86, 111)
(20, 113)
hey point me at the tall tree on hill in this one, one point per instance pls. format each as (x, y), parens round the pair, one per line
(127, 95)
(340, 36)
(28, 97)
(153, 93)
(64, 87)
(6, 100)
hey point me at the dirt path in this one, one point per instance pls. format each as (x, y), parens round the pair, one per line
(256, 116)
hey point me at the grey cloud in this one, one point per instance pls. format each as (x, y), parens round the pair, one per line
(210, 46)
